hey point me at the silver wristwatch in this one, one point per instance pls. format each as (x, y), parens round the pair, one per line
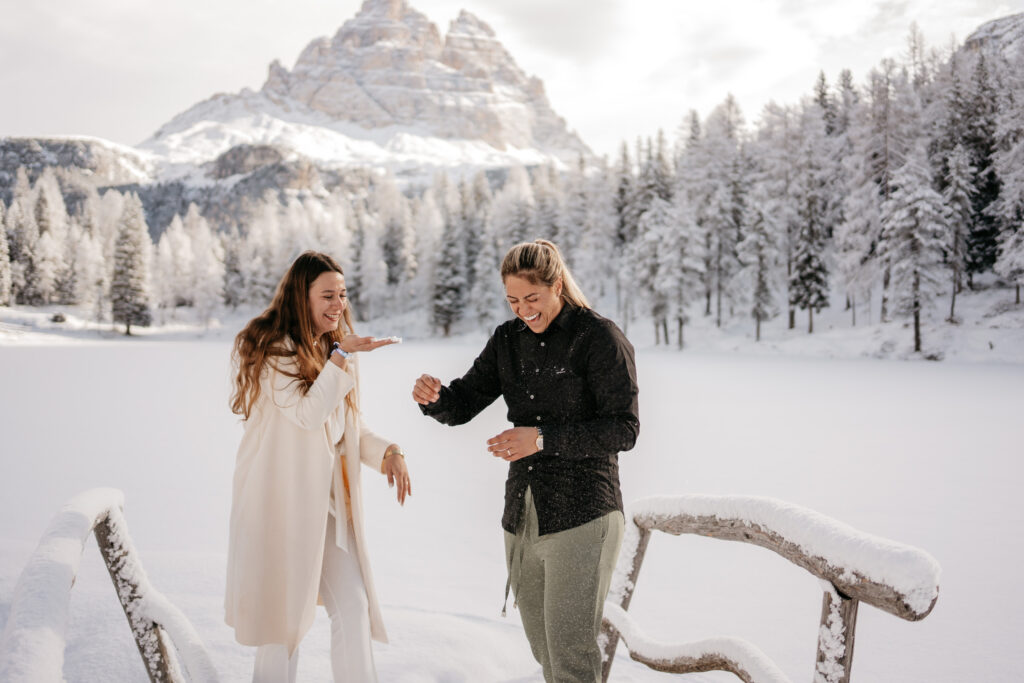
(540, 439)
(340, 351)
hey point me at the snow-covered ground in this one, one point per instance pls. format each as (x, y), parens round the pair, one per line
(924, 453)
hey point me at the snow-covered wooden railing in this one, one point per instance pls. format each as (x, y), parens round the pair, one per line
(854, 567)
(32, 647)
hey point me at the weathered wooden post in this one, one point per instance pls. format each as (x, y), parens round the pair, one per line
(148, 635)
(848, 574)
(835, 637)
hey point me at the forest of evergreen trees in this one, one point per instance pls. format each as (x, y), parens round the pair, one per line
(902, 190)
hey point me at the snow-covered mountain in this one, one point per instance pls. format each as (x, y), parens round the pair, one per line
(1005, 35)
(386, 91)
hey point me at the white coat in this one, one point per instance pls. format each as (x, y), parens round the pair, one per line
(287, 463)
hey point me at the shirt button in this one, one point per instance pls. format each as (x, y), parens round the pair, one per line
(520, 495)
(530, 468)
(536, 370)
(531, 397)
(542, 343)
(538, 418)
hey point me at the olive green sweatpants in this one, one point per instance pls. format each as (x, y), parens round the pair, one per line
(560, 582)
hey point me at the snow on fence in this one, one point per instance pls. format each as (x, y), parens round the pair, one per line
(854, 567)
(32, 647)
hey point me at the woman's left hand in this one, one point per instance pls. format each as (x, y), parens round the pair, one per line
(353, 343)
(514, 444)
(397, 473)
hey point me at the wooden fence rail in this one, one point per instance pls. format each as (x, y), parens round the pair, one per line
(32, 647)
(851, 567)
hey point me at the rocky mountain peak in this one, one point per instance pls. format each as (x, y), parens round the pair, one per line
(392, 9)
(467, 22)
(1005, 35)
(388, 66)
(388, 86)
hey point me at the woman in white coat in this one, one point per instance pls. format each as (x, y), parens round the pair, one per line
(296, 530)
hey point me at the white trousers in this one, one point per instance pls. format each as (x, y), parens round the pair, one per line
(344, 596)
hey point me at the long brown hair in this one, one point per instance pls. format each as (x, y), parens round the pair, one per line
(541, 263)
(263, 340)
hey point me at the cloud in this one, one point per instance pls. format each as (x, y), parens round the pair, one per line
(579, 30)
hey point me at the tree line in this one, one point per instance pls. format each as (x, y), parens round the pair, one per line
(902, 190)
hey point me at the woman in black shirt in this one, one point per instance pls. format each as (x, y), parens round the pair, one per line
(568, 378)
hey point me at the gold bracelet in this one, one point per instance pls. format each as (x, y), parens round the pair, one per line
(396, 450)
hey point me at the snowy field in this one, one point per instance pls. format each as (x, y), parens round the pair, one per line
(923, 453)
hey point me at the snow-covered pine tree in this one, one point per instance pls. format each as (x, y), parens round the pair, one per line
(914, 228)
(22, 240)
(625, 227)
(398, 242)
(882, 140)
(575, 216)
(856, 235)
(727, 176)
(470, 229)
(165, 295)
(952, 123)
(367, 275)
(980, 142)
(129, 287)
(624, 182)
(176, 266)
(653, 182)
(108, 210)
(692, 180)
(1009, 165)
(331, 224)
(958, 196)
(483, 200)
(661, 169)
(52, 269)
(808, 284)
(680, 263)
(67, 287)
(487, 295)
(759, 254)
(847, 101)
(641, 263)
(207, 290)
(91, 277)
(776, 150)
(449, 286)
(813, 190)
(827, 102)
(597, 259)
(513, 209)
(917, 59)
(234, 281)
(547, 204)
(446, 196)
(5, 263)
(259, 251)
(1010, 264)
(428, 224)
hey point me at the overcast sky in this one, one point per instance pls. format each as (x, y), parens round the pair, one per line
(615, 69)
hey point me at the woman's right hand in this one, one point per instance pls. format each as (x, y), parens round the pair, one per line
(427, 390)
